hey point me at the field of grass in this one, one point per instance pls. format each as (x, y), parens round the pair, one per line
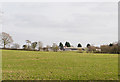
(35, 65)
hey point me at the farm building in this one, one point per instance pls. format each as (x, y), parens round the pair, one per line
(72, 48)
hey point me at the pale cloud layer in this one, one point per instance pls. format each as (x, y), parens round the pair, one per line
(59, 0)
(84, 22)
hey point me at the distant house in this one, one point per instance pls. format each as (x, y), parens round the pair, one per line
(98, 49)
(71, 48)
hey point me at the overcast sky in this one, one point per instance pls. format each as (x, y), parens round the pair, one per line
(54, 22)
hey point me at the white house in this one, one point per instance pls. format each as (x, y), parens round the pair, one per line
(72, 48)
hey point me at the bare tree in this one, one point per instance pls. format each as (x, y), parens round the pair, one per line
(114, 48)
(92, 48)
(55, 47)
(47, 47)
(6, 39)
(33, 45)
(40, 45)
(15, 46)
(28, 43)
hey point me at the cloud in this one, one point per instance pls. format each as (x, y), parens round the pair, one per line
(54, 22)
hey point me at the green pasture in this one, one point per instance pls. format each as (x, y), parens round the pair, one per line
(66, 65)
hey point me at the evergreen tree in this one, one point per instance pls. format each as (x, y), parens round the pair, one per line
(61, 46)
(88, 45)
(79, 45)
(24, 46)
(67, 44)
(110, 44)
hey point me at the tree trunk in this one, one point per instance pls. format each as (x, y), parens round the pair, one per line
(4, 45)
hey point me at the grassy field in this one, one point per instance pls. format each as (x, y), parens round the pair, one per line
(33, 65)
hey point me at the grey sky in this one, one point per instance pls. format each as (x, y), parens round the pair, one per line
(54, 22)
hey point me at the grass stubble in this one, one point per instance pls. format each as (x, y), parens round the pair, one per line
(68, 65)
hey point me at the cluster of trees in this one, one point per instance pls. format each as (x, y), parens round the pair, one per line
(67, 44)
(91, 48)
(39, 46)
(111, 48)
(6, 40)
(32, 45)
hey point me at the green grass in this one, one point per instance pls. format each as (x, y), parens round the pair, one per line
(33, 65)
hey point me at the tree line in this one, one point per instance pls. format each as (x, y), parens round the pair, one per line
(6, 40)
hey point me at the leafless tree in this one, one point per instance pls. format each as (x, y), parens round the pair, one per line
(28, 43)
(55, 47)
(33, 45)
(40, 45)
(114, 48)
(47, 47)
(91, 48)
(6, 39)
